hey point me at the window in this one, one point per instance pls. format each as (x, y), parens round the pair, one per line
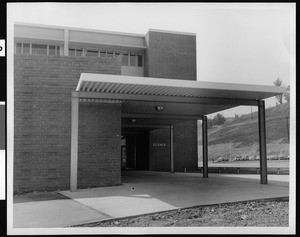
(75, 52)
(133, 60)
(78, 52)
(140, 60)
(125, 59)
(39, 49)
(110, 54)
(51, 50)
(57, 50)
(93, 53)
(54, 50)
(117, 54)
(71, 52)
(26, 48)
(18, 48)
(103, 54)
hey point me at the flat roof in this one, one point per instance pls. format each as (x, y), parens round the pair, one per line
(78, 29)
(177, 99)
(173, 32)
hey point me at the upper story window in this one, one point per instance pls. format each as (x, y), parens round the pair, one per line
(126, 58)
(109, 54)
(37, 49)
(140, 60)
(93, 53)
(18, 49)
(103, 54)
(133, 62)
(75, 52)
(26, 48)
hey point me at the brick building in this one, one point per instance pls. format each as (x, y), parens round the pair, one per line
(64, 136)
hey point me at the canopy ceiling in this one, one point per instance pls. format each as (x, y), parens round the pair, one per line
(154, 102)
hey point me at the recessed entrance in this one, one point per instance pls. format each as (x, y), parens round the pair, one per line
(136, 155)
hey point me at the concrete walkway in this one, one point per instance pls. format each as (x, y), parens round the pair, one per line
(144, 192)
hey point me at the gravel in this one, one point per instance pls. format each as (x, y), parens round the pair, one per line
(265, 213)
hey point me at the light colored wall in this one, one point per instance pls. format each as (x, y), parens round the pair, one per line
(104, 38)
(132, 71)
(38, 32)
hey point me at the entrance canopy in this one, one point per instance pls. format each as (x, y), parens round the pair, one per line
(168, 101)
(150, 103)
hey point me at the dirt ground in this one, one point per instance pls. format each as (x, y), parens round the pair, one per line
(261, 213)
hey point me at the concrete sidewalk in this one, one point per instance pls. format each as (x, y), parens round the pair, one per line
(145, 192)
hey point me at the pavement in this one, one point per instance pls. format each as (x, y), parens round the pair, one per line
(141, 192)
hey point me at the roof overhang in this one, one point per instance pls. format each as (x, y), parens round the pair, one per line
(179, 100)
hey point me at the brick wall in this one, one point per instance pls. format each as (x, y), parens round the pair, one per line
(160, 150)
(99, 161)
(185, 145)
(173, 56)
(42, 120)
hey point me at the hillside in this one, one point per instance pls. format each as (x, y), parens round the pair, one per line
(240, 135)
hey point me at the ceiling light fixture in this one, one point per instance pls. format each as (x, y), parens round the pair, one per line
(159, 108)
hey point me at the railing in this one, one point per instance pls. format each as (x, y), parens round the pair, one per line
(237, 170)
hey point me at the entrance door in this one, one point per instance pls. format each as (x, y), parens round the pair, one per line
(137, 147)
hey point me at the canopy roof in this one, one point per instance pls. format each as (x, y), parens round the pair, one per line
(168, 101)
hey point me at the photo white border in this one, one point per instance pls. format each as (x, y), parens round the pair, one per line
(149, 230)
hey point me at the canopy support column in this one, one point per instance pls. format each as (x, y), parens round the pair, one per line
(262, 142)
(74, 142)
(171, 149)
(205, 146)
(134, 152)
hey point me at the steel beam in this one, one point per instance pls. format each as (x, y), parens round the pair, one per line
(171, 149)
(74, 143)
(162, 116)
(262, 142)
(205, 147)
(152, 126)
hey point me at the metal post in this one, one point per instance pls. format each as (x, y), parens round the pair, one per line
(171, 149)
(230, 151)
(134, 152)
(262, 142)
(74, 142)
(288, 128)
(205, 147)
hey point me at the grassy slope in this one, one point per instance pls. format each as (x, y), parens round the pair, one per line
(243, 133)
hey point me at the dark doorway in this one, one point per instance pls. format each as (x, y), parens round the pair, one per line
(137, 147)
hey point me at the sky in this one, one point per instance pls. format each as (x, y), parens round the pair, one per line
(236, 43)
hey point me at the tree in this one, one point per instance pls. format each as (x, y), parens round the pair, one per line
(286, 94)
(219, 119)
(278, 82)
